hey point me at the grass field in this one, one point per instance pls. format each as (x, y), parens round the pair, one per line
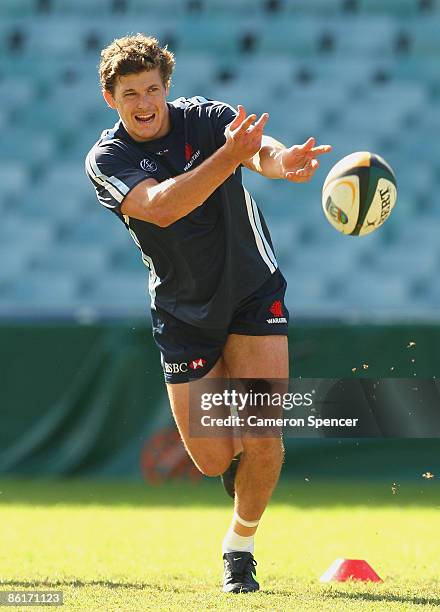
(131, 547)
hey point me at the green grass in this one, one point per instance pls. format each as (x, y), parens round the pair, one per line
(131, 547)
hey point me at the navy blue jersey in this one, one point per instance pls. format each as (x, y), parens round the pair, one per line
(204, 264)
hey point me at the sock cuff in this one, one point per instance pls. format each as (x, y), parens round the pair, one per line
(238, 518)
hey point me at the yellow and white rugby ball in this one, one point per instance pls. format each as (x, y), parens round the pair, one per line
(359, 193)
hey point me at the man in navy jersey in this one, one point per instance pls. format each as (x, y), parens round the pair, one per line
(171, 172)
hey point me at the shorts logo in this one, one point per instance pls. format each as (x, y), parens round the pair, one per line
(197, 363)
(175, 368)
(148, 165)
(277, 310)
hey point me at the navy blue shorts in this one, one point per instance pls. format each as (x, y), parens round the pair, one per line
(189, 352)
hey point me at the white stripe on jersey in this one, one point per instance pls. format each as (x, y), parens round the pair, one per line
(154, 280)
(262, 244)
(269, 251)
(114, 186)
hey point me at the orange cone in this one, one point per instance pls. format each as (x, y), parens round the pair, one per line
(342, 570)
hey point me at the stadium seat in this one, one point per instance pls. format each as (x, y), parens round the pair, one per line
(98, 226)
(43, 291)
(231, 8)
(423, 34)
(318, 8)
(17, 8)
(365, 38)
(371, 293)
(204, 35)
(83, 8)
(79, 261)
(144, 9)
(16, 92)
(398, 8)
(291, 37)
(14, 177)
(39, 149)
(14, 261)
(120, 293)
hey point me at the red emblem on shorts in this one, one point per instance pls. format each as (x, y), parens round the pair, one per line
(188, 152)
(197, 363)
(277, 309)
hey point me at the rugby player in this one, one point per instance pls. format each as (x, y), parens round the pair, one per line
(171, 172)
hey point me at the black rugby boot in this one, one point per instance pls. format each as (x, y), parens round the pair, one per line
(228, 477)
(239, 573)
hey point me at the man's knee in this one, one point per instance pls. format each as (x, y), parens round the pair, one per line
(213, 466)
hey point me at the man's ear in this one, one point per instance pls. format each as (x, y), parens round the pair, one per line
(108, 97)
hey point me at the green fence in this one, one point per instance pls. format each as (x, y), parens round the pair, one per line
(90, 400)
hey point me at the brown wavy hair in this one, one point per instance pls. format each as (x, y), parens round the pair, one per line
(133, 54)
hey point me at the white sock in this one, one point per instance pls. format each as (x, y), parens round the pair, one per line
(233, 542)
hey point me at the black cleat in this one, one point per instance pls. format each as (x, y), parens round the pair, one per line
(239, 573)
(228, 477)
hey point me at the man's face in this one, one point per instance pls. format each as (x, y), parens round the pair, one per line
(140, 100)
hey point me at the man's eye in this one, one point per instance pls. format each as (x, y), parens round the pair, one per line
(129, 94)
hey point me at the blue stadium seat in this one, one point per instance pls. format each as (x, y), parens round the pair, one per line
(42, 291)
(98, 226)
(204, 35)
(39, 149)
(398, 8)
(318, 8)
(14, 177)
(411, 261)
(17, 8)
(14, 261)
(16, 92)
(370, 292)
(79, 261)
(373, 37)
(231, 8)
(83, 8)
(424, 36)
(292, 36)
(120, 293)
(143, 10)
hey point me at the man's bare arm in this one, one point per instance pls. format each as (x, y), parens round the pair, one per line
(164, 203)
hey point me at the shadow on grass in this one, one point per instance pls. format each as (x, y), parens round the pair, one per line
(388, 597)
(32, 584)
(209, 493)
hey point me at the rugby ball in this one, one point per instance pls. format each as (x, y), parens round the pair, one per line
(359, 193)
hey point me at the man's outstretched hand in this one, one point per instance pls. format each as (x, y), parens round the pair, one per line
(243, 136)
(299, 163)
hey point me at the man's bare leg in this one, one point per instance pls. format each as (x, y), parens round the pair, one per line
(211, 455)
(262, 357)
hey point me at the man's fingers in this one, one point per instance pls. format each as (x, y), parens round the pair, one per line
(246, 123)
(238, 118)
(309, 144)
(321, 149)
(262, 121)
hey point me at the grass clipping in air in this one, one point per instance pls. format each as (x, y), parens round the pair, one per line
(134, 547)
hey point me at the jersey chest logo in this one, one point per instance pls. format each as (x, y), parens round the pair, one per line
(148, 166)
(190, 156)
